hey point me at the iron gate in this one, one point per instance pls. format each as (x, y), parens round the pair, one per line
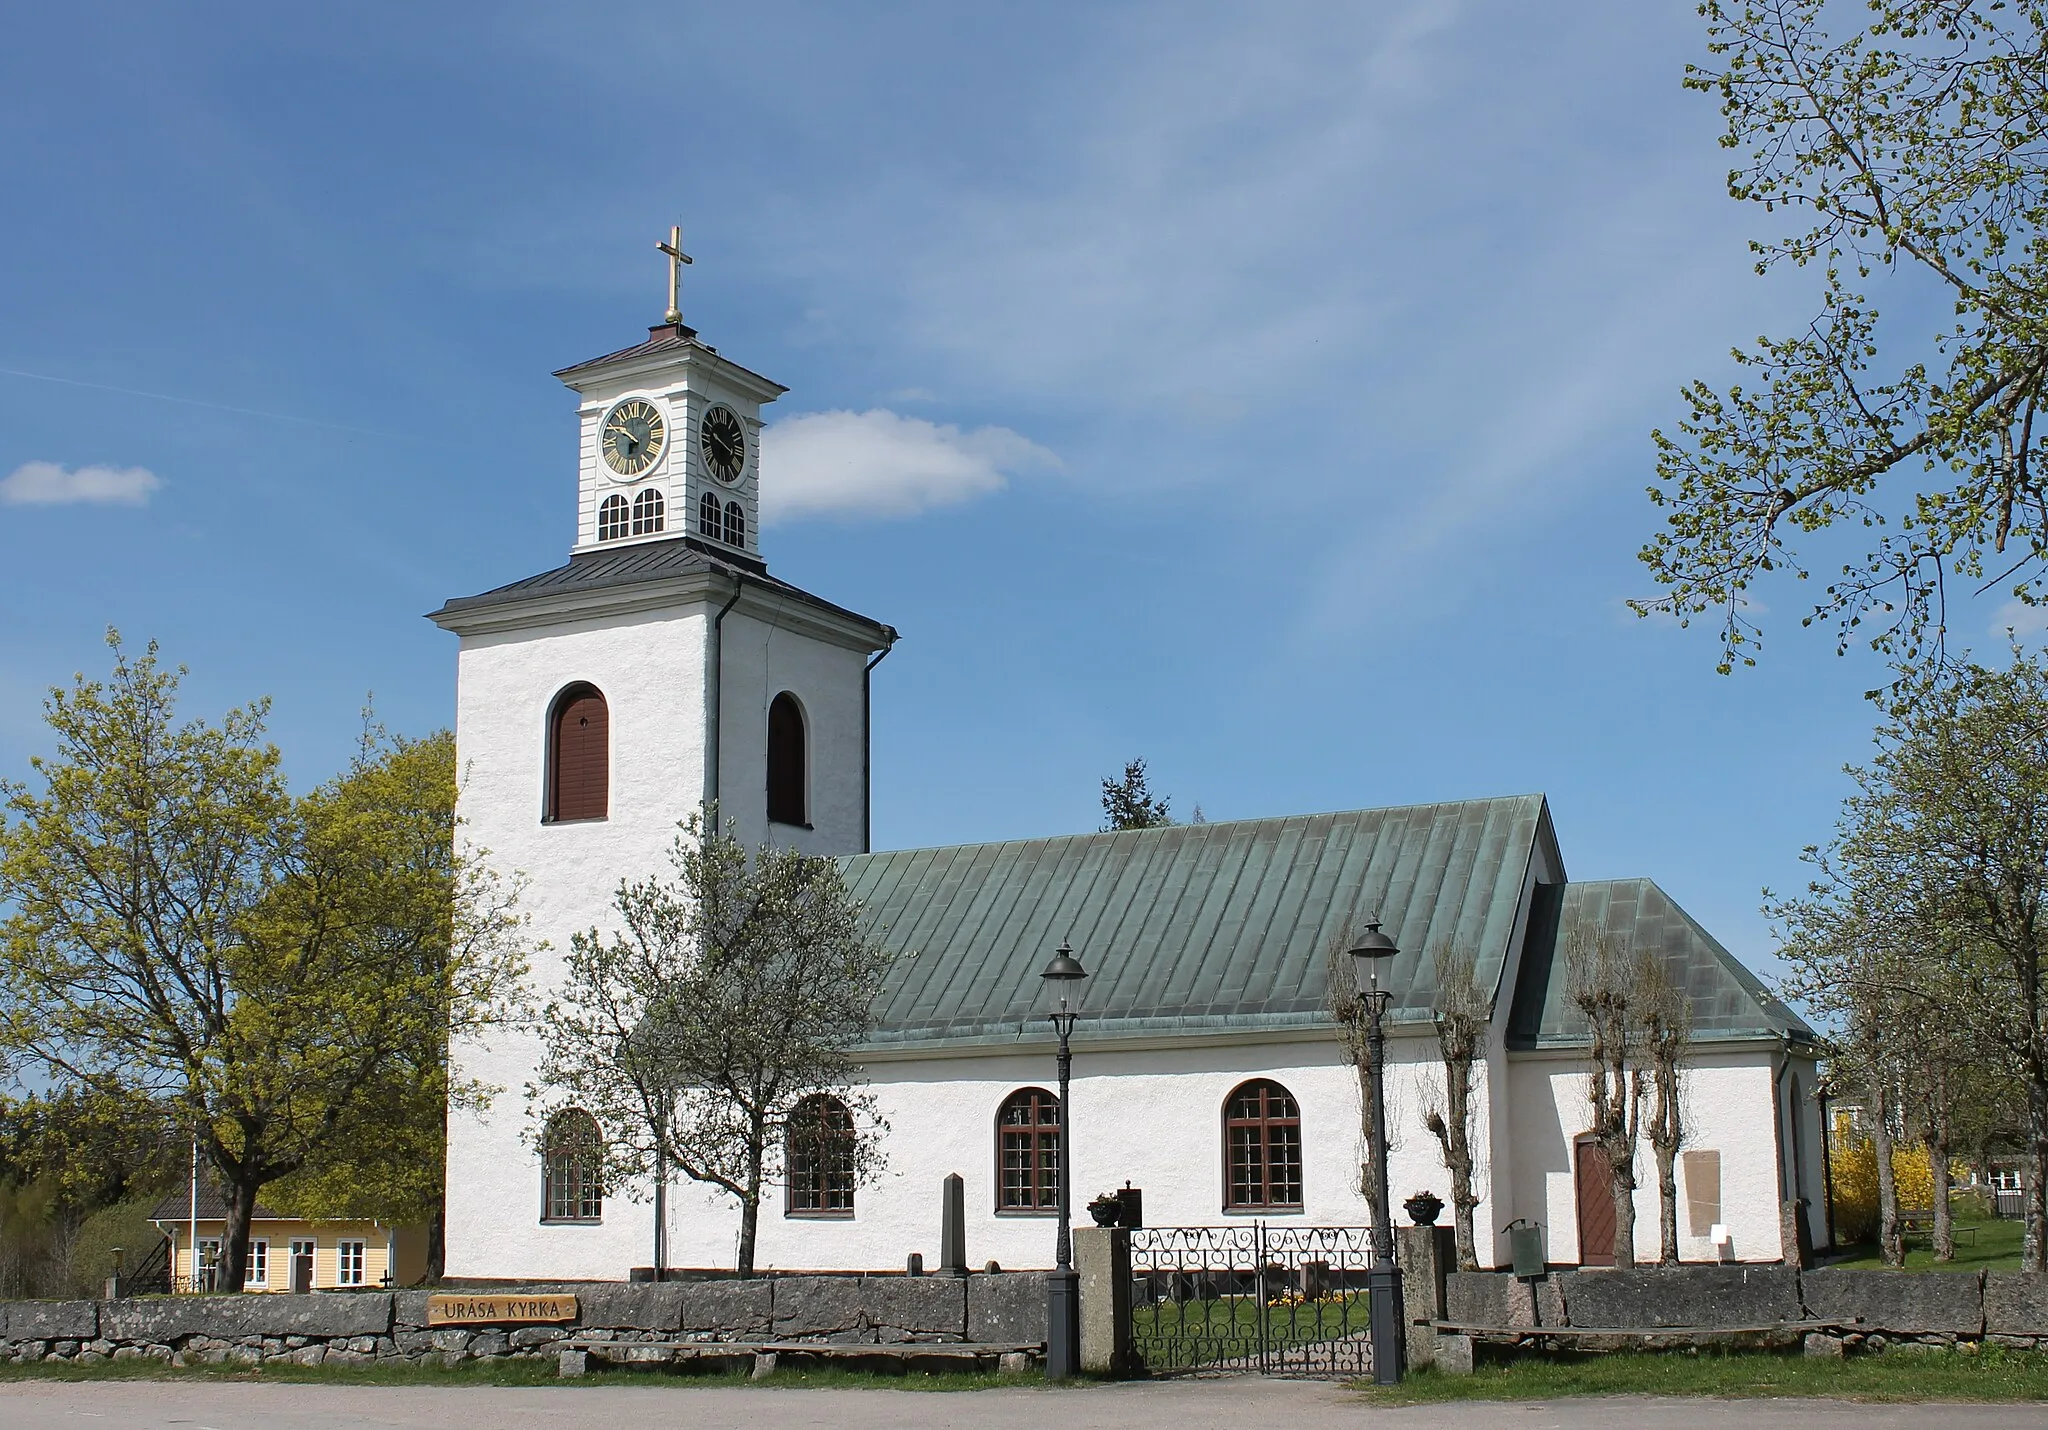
(1288, 1300)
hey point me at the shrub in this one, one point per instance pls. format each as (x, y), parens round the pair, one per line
(1852, 1167)
(124, 1224)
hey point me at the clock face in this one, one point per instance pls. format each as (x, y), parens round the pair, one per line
(631, 438)
(725, 444)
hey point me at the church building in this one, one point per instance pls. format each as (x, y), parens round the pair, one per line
(664, 666)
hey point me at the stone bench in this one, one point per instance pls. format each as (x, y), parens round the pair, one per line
(576, 1353)
(1455, 1340)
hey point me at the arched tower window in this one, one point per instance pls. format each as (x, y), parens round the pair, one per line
(612, 515)
(647, 512)
(821, 1156)
(579, 756)
(708, 519)
(735, 525)
(788, 762)
(572, 1158)
(1028, 1151)
(1262, 1148)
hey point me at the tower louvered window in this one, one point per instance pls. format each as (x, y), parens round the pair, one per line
(735, 525)
(579, 756)
(1262, 1148)
(612, 517)
(647, 513)
(709, 518)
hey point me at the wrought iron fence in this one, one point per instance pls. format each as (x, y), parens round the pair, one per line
(1254, 1296)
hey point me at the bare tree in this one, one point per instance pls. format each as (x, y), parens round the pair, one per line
(1601, 982)
(1350, 1012)
(1665, 1018)
(1462, 1017)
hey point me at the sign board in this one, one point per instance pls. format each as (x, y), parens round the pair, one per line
(498, 1310)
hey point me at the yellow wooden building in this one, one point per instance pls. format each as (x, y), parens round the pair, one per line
(288, 1253)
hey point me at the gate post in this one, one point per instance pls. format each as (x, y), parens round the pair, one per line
(1426, 1254)
(1102, 1257)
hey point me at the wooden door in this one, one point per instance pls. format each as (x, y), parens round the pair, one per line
(1595, 1195)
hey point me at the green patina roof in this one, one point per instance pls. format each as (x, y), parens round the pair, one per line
(1728, 1001)
(1194, 926)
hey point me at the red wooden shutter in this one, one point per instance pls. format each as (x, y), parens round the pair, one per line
(581, 763)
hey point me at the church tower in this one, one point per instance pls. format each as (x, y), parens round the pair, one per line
(600, 703)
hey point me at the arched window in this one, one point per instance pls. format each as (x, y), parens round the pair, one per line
(788, 775)
(647, 512)
(735, 525)
(708, 520)
(579, 755)
(572, 1158)
(611, 518)
(1262, 1148)
(821, 1152)
(1028, 1151)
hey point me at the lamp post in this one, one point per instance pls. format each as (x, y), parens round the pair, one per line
(1383, 1281)
(1062, 979)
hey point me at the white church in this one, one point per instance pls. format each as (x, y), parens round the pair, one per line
(664, 666)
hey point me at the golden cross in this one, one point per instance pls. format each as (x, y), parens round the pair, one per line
(676, 259)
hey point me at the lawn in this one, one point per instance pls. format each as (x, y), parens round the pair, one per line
(1997, 1248)
(1993, 1375)
(517, 1372)
(1176, 1335)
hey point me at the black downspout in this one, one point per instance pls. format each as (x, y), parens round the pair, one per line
(714, 698)
(867, 736)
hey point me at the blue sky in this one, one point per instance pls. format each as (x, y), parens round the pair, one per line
(1274, 383)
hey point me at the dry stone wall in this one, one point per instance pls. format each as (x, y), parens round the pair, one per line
(343, 1327)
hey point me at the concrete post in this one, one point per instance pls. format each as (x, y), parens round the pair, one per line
(1102, 1256)
(1427, 1255)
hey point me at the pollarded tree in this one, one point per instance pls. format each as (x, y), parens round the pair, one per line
(733, 997)
(1602, 982)
(182, 928)
(1664, 1019)
(1915, 153)
(1462, 1018)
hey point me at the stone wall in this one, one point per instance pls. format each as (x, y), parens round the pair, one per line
(1872, 1309)
(357, 1326)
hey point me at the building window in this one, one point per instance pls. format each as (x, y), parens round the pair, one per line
(611, 518)
(735, 525)
(257, 1273)
(206, 1276)
(821, 1154)
(579, 755)
(788, 775)
(709, 521)
(572, 1158)
(348, 1263)
(1262, 1141)
(647, 513)
(1028, 1152)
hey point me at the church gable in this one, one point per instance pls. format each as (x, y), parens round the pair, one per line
(1728, 1001)
(1190, 928)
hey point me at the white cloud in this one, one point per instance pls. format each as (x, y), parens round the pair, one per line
(2020, 618)
(881, 464)
(48, 484)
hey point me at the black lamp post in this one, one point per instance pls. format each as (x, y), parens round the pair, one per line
(1063, 1284)
(1383, 1281)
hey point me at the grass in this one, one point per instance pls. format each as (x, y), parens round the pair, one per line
(1166, 1334)
(1997, 1248)
(1992, 1375)
(516, 1373)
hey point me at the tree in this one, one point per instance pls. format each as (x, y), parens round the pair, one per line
(1917, 151)
(1664, 1013)
(1353, 1024)
(734, 992)
(1462, 1019)
(1129, 803)
(183, 928)
(1601, 973)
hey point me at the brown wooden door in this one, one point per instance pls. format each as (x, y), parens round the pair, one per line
(1596, 1205)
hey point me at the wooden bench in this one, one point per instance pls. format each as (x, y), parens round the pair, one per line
(576, 1353)
(1920, 1222)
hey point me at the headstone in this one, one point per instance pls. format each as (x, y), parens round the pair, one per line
(764, 1365)
(953, 1228)
(913, 1264)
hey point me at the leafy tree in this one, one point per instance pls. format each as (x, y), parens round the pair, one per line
(183, 928)
(1129, 803)
(1462, 1018)
(733, 991)
(1916, 153)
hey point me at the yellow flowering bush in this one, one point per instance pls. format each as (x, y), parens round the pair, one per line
(1852, 1174)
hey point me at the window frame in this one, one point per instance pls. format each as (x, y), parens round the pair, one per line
(649, 512)
(256, 1270)
(588, 1188)
(1266, 1123)
(710, 517)
(351, 1254)
(812, 1197)
(614, 517)
(1036, 1135)
(206, 1263)
(734, 533)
